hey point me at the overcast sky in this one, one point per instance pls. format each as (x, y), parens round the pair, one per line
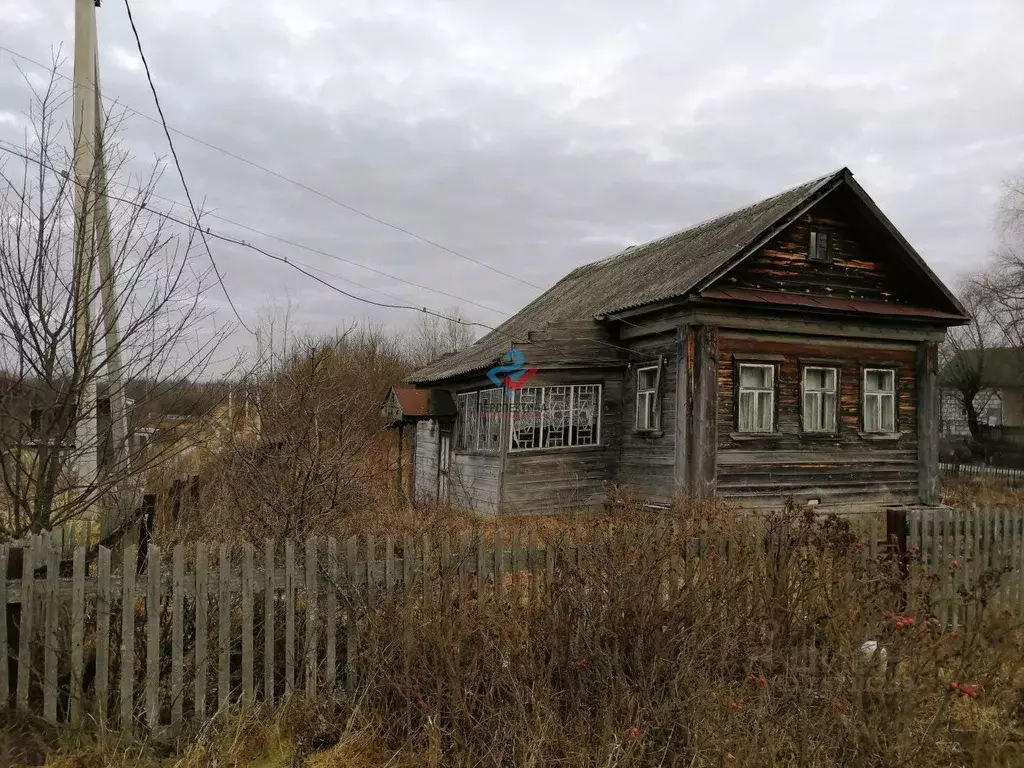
(538, 136)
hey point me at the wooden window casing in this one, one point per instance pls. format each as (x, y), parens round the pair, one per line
(755, 398)
(878, 401)
(466, 424)
(478, 427)
(556, 417)
(819, 245)
(820, 406)
(648, 399)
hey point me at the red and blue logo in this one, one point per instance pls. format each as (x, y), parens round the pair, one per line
(512, 373)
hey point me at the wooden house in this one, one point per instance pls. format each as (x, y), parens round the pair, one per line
(785, 349)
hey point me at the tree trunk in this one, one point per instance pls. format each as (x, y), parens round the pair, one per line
(972, 414)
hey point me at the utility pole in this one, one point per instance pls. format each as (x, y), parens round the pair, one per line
(92, 250)
(85, 123)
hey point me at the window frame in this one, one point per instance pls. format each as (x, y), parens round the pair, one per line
(541, 411)
(815, 232)
(773, 420)
(467, 435)
(653, 393)
(893, 399)
(835, 392)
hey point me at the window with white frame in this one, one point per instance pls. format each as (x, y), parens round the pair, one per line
(479, 420)
(489, 434)
(756, 398)
(820, 398)
(556, 417)
(879, 400)
(647, 410)
(465, 430)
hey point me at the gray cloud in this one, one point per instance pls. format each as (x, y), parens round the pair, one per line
(539, 136)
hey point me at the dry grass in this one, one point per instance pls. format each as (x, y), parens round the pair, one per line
(980, 490)
(756, 660)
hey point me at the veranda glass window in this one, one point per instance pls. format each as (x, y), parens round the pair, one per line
(556, 417)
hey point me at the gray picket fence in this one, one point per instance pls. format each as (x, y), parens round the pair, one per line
(75, 628)
(1010, 476)
(964, 554)
(188, 633)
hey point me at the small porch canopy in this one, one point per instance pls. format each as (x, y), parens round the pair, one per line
(406, 405)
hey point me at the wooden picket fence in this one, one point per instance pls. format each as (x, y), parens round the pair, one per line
(75, 628)
(966, 554)
(185, 634)
(1011, 476)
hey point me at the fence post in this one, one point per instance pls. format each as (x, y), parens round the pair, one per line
(153, 636)
(896, 532)
(4, 682)
(351, 628)
(202, 628)
(224, 629)
(289, 618)
(52, 621)
(129, 561)
(247, 624)
(177, 634)
(28, 573)
(77, 634)
(103, 601)
(331, 616)
(312, 588)
(269, 607)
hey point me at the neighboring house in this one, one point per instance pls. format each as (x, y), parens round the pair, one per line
(988, 404)
(999, 404)
(788, 348)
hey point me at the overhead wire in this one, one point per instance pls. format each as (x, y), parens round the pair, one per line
(286, 260)
(305, 269)
(299, 184)
(177, 164)
(335, 257)
(312, 190)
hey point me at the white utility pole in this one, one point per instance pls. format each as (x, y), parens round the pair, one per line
(92, 250)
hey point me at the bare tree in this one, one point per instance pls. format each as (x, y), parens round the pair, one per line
(994, 297)
(434, 336)
(964, 353)
(1004, 282)
(158, 306)
(315, 450)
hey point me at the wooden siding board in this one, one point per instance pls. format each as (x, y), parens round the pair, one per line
(475, 481)
(647, 461)
(861, 266)
(833, 468)
(553, 480)
(425, 460)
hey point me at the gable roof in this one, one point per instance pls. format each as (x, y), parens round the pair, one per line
(663, 269)
(409, 404)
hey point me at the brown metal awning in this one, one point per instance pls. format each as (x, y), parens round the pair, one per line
(408, 404)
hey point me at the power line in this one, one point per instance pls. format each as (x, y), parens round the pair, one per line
(181, 173)
(245, 244)
(317, 192)
(329, 255)
(307, 271)
(310, 249)
(299, 184)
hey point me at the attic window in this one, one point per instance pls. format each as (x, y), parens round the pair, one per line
(820, 247)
